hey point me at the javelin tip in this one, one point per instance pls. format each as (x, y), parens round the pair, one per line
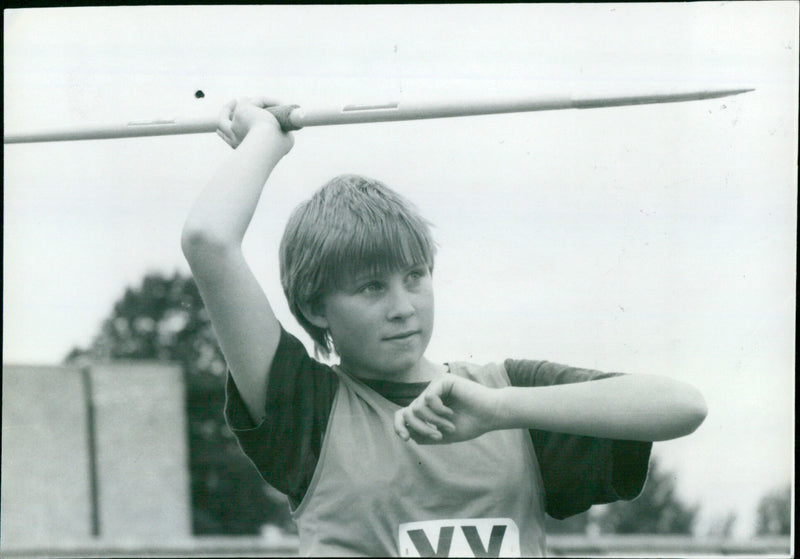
(654, 98)
(726, 92)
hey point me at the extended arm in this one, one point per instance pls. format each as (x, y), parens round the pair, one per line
(630, 407)
(246, 328)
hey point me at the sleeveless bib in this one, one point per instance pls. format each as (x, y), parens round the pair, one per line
(373, 494)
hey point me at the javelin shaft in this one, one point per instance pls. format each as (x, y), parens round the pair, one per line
(293, 117)
(352, 114)
(159, 127)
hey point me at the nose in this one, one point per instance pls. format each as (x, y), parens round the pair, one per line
(400, 302)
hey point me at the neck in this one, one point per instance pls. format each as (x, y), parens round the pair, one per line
(423, 371)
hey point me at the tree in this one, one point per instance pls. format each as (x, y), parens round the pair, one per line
(774, 515)
(722, 525)
(165, 319)
(657, 510)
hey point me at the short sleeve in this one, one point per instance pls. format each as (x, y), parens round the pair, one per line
(577, 471)
(286, 445)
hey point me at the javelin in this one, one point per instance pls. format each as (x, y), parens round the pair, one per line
(294, 117)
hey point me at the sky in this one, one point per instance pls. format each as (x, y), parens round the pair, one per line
(651, 239)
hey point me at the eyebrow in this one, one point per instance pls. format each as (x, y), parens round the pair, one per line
(367, 275)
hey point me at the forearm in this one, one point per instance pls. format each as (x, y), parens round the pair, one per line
(631, 407)
(223, 211)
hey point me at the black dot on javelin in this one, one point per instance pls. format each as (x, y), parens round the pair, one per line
(199, 94)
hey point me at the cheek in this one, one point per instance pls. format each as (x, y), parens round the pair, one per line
(352, 321)
(425, 308)
(428, 298)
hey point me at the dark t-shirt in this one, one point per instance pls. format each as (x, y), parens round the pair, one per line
(577, 471)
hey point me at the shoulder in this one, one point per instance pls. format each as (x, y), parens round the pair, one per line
(292, 356)
(298, 380)
(298, 387)
(286, 445)
(489, 374)
(526, 372)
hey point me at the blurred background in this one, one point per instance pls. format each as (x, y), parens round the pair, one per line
(656, 239)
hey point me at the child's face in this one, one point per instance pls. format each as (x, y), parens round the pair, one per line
(382, 322)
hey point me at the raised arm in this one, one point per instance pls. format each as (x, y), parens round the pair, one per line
(629, 407)
(246, 327)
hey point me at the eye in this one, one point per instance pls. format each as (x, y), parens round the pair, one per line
(416, 275)
(371, 287)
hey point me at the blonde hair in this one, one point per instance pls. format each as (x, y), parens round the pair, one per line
(351, 224)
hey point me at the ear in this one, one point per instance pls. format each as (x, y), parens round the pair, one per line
(315, 314)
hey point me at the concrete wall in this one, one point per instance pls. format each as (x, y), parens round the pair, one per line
(45, 491)
(94, 454)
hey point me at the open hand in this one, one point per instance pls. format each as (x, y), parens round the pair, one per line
(450, 409)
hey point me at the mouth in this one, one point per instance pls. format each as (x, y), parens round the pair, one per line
(402, 336)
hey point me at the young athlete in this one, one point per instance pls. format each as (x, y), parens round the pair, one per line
(388, 453)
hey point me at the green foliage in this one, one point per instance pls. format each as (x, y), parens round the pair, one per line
(774, 515)
(657, 510)
(164, 319)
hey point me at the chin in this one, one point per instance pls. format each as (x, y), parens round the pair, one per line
(383, 363)
(401, 365)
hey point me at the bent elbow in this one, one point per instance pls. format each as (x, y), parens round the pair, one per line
(691, 415)
(200, 243)
(682, 410)
(696, 412)
(191, 240)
